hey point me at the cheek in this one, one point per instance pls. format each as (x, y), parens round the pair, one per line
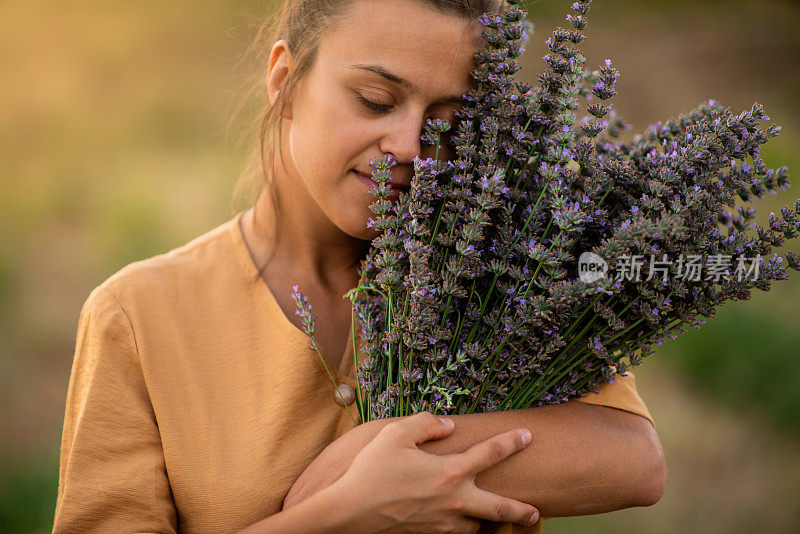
(351, 134)
(329, 140)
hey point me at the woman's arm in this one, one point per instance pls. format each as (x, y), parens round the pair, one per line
(392, 486)
(584, 459)
(305, 517)
(112, 475)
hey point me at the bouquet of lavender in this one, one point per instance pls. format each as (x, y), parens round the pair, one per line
(548, 257)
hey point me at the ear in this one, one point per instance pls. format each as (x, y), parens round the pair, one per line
(277, 71)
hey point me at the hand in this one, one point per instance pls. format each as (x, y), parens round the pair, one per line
(394, 487)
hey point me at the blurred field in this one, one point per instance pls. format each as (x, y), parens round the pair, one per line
(112, 138)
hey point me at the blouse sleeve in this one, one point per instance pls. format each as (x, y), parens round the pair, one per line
(112, 476)
(620, 394)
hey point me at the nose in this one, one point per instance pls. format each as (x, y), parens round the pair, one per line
(403, 139)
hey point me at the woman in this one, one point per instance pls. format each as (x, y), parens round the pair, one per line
(195, 403)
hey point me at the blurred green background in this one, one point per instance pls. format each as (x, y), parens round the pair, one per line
(115, 147)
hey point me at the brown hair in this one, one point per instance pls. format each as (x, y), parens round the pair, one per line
(302, 23)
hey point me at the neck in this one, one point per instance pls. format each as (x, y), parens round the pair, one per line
(307, 243)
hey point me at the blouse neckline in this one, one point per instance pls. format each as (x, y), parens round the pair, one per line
(345, 371)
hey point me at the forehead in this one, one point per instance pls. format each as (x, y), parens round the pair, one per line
(432, 50)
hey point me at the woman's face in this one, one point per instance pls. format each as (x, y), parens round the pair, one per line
(379, 75)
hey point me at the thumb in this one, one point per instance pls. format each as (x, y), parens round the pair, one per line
(424, 426)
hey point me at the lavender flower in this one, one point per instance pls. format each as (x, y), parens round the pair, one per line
(471, 299)
(304, 312)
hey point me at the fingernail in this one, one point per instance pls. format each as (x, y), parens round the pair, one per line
(446, 422)
(534, 518)
(526, 436)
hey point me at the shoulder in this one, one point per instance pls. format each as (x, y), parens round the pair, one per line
(185, 272)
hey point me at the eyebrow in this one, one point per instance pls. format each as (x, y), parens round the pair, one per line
(382, 71)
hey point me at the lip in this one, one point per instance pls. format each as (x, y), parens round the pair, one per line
(366, 179)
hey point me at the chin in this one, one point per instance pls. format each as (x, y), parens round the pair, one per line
(356, 227)
(364, 233)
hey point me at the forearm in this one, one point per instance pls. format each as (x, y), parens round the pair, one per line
(583, 459)
(326, 512)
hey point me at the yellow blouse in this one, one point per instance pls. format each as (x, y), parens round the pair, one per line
(194, 403)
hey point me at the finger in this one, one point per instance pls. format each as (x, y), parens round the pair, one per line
(486, 505)
(419, 427)
(494, 450)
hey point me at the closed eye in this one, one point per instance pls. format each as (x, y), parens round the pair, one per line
(379, 108)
